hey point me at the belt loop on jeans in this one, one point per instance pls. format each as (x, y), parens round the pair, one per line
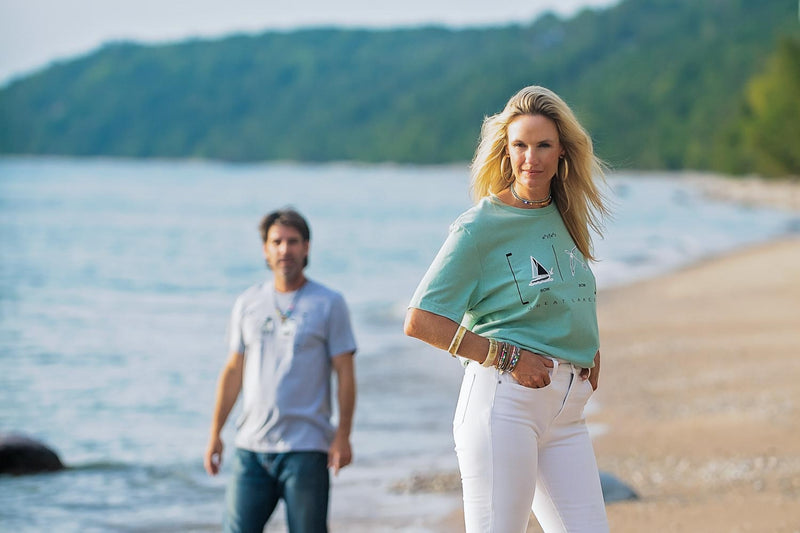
(568, 366)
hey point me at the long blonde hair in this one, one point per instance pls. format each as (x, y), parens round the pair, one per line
(574, 190)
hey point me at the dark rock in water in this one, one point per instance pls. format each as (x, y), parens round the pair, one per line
(23, 455)
(615, 490)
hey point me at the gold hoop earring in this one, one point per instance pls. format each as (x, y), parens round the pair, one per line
(566, 169)
(510, 176)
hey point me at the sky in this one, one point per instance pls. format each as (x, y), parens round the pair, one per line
(33, 33)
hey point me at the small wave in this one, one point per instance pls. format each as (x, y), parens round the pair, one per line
(132, 475)
(100, 466)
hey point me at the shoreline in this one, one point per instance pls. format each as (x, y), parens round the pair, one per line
(750, 191)
(407, 393)
(699, 390)
(782, 193)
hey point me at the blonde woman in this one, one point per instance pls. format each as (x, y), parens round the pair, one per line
(511, 292)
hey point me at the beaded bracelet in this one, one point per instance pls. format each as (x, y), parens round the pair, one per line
(514, 359)
(491, 356)
(509, 359)
(501, 364)
(503, 357)
(456, 342)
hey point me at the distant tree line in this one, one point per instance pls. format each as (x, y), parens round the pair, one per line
(660, 84)
(765, 135)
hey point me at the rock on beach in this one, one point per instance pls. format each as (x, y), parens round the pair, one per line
(20, 455)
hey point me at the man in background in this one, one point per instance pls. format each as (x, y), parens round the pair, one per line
(287, 336)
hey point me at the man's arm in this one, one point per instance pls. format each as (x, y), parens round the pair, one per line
(340, 453)
(228, 387)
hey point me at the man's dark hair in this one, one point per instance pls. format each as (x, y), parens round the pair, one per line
(285, 217)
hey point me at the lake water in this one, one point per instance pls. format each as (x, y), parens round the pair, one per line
(116, 283)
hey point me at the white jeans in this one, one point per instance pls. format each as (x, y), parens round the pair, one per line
(521, 449)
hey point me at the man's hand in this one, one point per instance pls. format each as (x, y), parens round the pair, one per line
(228, 387)
(213, 458)
(340, 454)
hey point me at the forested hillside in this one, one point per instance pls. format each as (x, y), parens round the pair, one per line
(659, 83)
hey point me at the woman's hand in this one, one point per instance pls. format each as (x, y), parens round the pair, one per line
(592, 374)
(532, 370)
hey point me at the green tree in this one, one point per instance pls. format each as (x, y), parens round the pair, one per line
(658, 83)
(771, 122)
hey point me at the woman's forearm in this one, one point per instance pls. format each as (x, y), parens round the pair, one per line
(438, 331)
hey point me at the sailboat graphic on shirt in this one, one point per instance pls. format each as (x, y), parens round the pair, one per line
(539, 274)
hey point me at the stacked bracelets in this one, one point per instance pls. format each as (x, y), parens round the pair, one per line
(503, 355)
(508, 357)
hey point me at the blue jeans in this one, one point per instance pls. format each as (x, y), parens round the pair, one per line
(260, 480)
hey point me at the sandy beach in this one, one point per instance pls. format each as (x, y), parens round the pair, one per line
(700, 396)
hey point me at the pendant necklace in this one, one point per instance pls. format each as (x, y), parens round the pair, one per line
(285, 315)
(535, 203)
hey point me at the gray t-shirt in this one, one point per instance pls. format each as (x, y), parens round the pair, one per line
(286, 388)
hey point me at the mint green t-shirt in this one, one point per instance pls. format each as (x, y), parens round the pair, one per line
(515, 275)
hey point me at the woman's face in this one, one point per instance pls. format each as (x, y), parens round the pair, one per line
(534, 149)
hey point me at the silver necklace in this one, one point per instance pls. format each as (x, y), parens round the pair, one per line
(537, 203)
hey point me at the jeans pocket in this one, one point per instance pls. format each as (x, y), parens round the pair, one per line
(576, 401)
(511, 381)
(463, 400)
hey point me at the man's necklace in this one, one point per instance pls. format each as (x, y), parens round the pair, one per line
(285, 315)
(537, 203)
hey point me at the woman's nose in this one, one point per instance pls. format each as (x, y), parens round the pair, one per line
(530, 156)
